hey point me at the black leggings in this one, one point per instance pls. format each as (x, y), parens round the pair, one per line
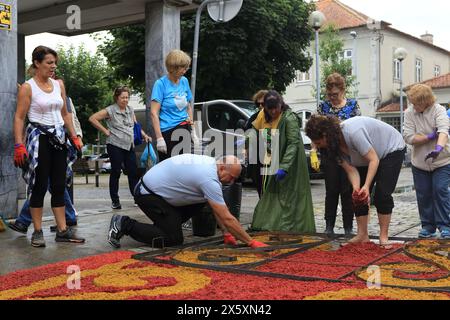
(52, 165)
(167, 135)
(336, 183)
(166, 229)
(385, 181)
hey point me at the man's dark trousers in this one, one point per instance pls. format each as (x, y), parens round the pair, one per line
(166, 229)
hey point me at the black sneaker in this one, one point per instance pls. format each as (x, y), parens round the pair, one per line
(37, 239)
(68, 235)
(18, 226)
(68, 223)
(115, 231)
(116, 205)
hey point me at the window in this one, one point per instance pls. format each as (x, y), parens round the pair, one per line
(348, 54)
(418, 70)
(396, 69)
(437, 71)
(393, 121)
(223, 117)
(302, 76)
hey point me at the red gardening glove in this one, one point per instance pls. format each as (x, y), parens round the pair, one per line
(359, 199)
(20, 155)
(76, 142)
(229, 239)
(257, 244)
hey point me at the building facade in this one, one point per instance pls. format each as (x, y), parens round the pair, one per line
(372, 52)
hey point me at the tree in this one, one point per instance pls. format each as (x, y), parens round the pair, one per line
(331, 60)
(260, 48)
(88, 81)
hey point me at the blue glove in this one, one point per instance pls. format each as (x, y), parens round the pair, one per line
(280, 175)
(240, 142)
(434, 154)
(433, 135)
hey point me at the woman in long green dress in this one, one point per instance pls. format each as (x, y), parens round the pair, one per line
(286, 202)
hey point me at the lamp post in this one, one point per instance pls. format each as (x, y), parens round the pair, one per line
(316, 20)
(400, 54)
(353, 34)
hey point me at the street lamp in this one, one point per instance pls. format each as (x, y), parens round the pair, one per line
(316, 20)
(353, 34)
(400, 54)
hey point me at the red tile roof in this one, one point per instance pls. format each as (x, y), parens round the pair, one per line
(340, 14)
(439, 82)
(393, 107)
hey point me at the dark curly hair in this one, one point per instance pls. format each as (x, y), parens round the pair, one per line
(328, 126)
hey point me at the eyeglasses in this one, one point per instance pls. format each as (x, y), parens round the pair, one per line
(259, 103)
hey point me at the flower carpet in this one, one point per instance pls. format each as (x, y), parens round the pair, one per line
(294, 267)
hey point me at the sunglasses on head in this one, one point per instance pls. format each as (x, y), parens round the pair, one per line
(120, 88)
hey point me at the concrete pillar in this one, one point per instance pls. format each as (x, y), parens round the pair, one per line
(21, 58)
(21, 188)
(162, 34)
(8, 93)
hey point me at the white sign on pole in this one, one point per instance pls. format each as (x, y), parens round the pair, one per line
(224, 10)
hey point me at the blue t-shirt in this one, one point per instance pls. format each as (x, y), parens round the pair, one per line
(185, 179)
(174, 99)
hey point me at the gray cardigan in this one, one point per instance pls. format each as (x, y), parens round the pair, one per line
(434, 117)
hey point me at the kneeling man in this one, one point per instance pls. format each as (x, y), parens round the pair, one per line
(173, 191)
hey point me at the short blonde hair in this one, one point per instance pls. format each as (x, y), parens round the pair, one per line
(177, 59)
(421, 94)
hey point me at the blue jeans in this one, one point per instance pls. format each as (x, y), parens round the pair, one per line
(433, 197)
(25, 215)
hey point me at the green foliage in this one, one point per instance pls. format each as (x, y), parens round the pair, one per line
(331, 50)
(260, 48)
(88, 81)
(126, 52)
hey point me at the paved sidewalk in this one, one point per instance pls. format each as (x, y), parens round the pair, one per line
(94, 209)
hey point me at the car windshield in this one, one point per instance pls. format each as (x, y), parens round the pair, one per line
(247, 106)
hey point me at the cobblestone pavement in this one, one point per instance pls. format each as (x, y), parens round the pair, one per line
(94, 208)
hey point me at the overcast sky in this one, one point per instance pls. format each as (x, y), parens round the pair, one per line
(414, 17)
(411, 16)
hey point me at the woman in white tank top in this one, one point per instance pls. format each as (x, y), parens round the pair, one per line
(44, 156)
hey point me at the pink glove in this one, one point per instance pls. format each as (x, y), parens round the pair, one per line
(257, 244)
(229, 239)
